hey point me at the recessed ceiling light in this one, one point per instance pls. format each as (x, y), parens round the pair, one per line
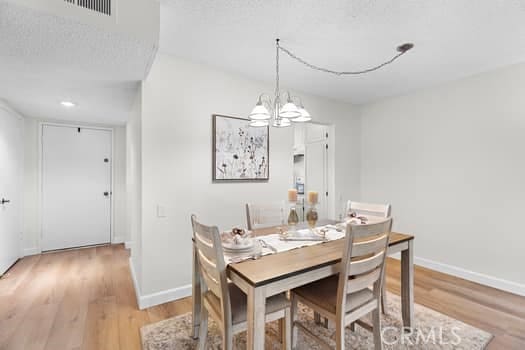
(68, 104)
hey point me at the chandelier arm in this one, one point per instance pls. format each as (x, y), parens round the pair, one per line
(402, 50)
(264, 97)
(269, 106)
(296, 99)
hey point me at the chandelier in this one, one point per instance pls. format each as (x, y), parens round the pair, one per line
(273, 111)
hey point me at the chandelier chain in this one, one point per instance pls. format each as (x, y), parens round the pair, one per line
(277, 68)
(339, 73)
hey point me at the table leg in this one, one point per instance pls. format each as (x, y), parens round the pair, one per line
(407, 285)
(196, 295)
(256, 315)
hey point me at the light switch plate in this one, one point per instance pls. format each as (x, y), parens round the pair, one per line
(161, 211)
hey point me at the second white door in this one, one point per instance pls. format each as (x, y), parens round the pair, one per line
(76, 187)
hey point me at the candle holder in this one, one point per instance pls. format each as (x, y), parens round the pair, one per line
(293, 218)
(312, 216)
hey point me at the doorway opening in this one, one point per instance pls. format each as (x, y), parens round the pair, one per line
(311, 166)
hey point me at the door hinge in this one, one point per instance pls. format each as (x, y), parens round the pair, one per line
(326, 135)
(326, 146)
(327, 193)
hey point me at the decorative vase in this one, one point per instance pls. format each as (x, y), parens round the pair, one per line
(312, 216)
(293, 218)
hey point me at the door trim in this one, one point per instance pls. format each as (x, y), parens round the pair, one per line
(40, 175)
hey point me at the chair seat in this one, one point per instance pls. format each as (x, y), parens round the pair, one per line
(239, 303)
(323, 294)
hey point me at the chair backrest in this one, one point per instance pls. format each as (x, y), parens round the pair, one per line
(265, 215)
(363, 259)
(211, 264)
(379, 210)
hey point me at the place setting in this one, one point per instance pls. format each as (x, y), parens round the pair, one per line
(241, 244)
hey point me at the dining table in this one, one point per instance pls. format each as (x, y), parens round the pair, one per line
(279, 272)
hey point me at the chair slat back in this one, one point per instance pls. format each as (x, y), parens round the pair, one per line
(363, 259)
(379, 210)
(211, 262)
(263, 215)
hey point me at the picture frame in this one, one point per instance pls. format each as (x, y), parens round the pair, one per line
(240, 152)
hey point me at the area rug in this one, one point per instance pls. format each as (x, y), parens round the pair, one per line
(432, 331)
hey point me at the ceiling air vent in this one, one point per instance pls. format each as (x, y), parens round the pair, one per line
(101, 6)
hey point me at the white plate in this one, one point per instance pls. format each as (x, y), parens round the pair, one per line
(242, 246)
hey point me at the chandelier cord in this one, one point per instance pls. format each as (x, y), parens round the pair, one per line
(277, 67)
(402, 49)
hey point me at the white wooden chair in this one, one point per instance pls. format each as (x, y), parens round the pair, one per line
(265, 215)
(222, 300)
(372, 209)
(347, 297)
(379, 210)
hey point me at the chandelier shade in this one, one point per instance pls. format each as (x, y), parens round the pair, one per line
(281, 123)
(305, 116)
(259, 112)
(289, 111)
(259, 123)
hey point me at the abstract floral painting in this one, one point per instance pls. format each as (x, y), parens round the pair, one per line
(240, 152)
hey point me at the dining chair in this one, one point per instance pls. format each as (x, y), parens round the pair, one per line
(263, 215)
(356, 291)
(379, 210)
(224, 301)
(372, 209)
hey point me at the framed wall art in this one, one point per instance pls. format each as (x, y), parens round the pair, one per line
(240, 152)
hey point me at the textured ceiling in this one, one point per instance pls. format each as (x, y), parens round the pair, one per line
(453, 38)
(45, 59)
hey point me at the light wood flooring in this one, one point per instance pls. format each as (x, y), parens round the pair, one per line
(84, 299)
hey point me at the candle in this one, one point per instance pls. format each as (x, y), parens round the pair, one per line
(313, 197)
(292, 195)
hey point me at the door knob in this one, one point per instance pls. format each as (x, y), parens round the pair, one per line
(4, 201)
(106, 194)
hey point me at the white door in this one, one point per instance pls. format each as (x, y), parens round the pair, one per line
(316, 159)
(11, 155)
(76, 187)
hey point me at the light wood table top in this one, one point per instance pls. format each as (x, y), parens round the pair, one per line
(285, 264)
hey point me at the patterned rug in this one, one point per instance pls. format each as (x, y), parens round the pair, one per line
(432, 331)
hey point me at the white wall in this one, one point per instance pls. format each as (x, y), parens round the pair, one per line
(179, 98)
(31, 212)
(451, 160)
(120, 215)
(134, 187)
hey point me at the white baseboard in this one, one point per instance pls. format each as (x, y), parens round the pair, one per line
(32, 251)
(117, 240)
(135, 282)
(149, 300)
(164, 296)
(128, 244)
(490, 281)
